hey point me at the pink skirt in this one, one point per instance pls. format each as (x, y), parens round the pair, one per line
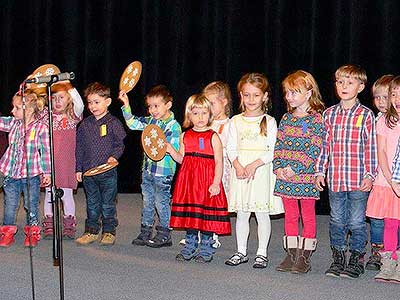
(383, 203)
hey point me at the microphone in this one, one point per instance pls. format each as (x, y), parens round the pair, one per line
(52, 78)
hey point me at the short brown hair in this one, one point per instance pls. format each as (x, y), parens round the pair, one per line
(353, 71)
(98, 89)
(160, 91)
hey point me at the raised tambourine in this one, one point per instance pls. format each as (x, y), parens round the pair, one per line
(130, 77)
(154, 142)
(44, 70)
(100, 169)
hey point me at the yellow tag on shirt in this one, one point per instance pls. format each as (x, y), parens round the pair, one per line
(359, 121)
(32, 134)
(103, 130)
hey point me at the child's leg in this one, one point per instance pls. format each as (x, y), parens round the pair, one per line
(390, 236)
(148, 193)
(309, 218)
(189, 251)
(12, 192)
(242, 231)
(338, 220)
(93, 204)
(291, 217)
(376, 231)
(34, 194)
(163, 199)
(68, 202)
(264, 232)
(108, 188)
(356, 207)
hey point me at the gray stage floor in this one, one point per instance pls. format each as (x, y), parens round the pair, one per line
(124, 271)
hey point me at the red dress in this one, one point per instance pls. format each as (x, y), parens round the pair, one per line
(192, 205)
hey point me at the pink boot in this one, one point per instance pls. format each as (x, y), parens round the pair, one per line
(69, 229)
(7, 233)
(32, 235)
(47, 227)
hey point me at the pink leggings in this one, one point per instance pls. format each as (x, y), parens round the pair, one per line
(67, 199)
(390, 235)
(292, 215)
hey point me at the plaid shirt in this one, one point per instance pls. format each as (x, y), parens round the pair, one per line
(349, 147)
(396, 165)
(36, 152)
(172, 130)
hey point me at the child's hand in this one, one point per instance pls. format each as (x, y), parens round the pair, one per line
(214, 189)
(111, 160)
(169, 147)
(240, 170)
(396, 188)
(320, 183)
(366, 184)
(79, 176)
(288, 171)
(281, 174)
(46, 180)
(123, 97)
(251, 170)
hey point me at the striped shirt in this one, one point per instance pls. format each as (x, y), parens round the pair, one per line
(172, 131)
(349, 147)
(36, 152)
(396, 164)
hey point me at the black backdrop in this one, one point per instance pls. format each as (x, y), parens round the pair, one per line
(186, 44)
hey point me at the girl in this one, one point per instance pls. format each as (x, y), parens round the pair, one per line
(380, 93)
(28, 146)
(383, 202)
(250, 148)
(199, 202)
(67, 113)
(298, 145)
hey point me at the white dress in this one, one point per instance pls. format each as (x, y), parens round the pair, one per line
(221, 127)
(247, 145)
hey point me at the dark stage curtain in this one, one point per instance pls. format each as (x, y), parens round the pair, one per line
(187, 44)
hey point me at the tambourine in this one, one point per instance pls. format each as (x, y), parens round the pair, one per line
(154, 142)
(44, 70)
(100, 169)
(130, 77)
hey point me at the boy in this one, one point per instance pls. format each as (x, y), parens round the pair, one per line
(99, 140)
(349, 155)
(156, 175)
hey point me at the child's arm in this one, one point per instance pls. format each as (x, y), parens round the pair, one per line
(231, 149)
(177, 155)
(396, 171)
(278, 163)
(216, 143)
(322, 161)
(6, 123)
(382, 158)
(371, 158)
(119, 135)
(79, 153)
(77, 101)
(44, 150)
(133, 122)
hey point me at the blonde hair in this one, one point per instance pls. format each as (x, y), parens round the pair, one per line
(65, 87)
(33, 101)
(352, 71)
(223, 91)
(259, 81)
(382, 82)
(391, 116)
(196, 101)
(301, 81)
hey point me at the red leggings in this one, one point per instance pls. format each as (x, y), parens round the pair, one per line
(390, 235)
(292, 215)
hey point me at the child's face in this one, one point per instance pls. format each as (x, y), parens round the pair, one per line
(60, 101)
(98, 105)
(298, 99)
(253, 99)
(348, 88)
(158, 109)
(217, 106)
(381, 99)
(199, 117)
(394, 97)
(17, 111)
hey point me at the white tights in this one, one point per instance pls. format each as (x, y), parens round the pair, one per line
(243, 229)
(67, 199)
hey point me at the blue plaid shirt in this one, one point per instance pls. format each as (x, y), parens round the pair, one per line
(172, 131)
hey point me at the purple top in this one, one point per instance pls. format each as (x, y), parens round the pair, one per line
(97, 140)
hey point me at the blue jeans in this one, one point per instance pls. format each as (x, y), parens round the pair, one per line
(376, 231)
(156, 192)
(348, 214)
(12, 193)
(101, 192)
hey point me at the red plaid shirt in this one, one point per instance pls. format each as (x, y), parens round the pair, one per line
(349, 147)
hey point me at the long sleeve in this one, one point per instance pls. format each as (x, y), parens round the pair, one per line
(280, 137)
(231, 146)
(371, 158)
(79, 150)
(271, 140)
(77, 101)
(321, 164)
(133, 122)
(396, 164)
(44, 150)
(118, 140)
(6, 123)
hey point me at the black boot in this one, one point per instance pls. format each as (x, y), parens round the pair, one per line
(355, 267)
(144, 235)
(374, 261)
(161, 239)
(338, 264)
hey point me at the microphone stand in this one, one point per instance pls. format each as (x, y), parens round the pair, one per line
(56, 195)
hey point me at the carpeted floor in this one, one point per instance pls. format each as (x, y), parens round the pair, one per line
(124, 271)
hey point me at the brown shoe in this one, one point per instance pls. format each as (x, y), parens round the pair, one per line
(107, 239)
(87, 238)
(290, 245)
(302, 262)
